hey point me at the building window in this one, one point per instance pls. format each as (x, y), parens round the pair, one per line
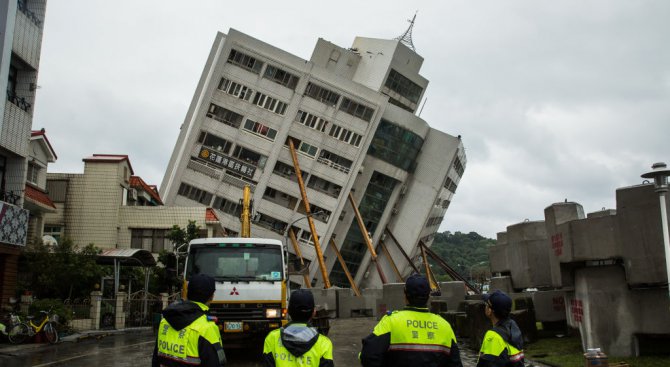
(245, 61)
(55, 231)
(235, 89)
(227, 206)
(249, 156)
(321, 94)
(335, 161)
(356, 109)
(376, 198)
(32, 175)
(458, 166)
(148, 239)
(345, 135)
(225, 116)
(195, 194)
(311, 121)
(303, 147)
(214, 142)
(396, 145)
(450, 185)
(260, 129)
(282, 77)
(271, 104)
(403, 86)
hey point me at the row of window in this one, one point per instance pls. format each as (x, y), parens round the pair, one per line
(450, 185)
(195, 194)
(272, 72)
(271, 104)
(336, 131)
(459, 166)
(260, 129)
(403, 86)
(225, 116)
(235, 89)
(348, 105)
(434, 221)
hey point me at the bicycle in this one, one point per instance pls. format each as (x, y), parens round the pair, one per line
(25, 329)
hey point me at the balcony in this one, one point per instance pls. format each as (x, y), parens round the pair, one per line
(20, 102)
(23, 7)
(13, 220)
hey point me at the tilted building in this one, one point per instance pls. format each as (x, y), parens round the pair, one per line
(352, 115)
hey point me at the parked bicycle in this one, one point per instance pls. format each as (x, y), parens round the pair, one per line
(26, 329)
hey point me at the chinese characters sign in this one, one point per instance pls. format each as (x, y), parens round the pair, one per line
(577, 309)
(557, 244)
(225, 162)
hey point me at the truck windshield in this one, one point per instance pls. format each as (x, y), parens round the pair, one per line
(236, 263)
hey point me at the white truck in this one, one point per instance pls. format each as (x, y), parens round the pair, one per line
(250, 273)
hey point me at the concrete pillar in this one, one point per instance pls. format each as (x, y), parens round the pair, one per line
(96, 300)
(120, 321)
(559, 237)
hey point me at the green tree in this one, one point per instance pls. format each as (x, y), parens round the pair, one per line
(464, 252)
(168, 275)
(61, 271)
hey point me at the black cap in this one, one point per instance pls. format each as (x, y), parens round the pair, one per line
(301, 305)
(500, 302)
(416, 286)
(201, 287)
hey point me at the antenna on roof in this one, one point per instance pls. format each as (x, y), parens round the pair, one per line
(406, 37)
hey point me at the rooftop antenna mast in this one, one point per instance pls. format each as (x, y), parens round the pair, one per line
(406, 37)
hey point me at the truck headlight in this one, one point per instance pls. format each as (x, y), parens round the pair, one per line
(272, 313)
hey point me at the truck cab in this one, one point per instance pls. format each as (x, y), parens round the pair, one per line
(250, 298)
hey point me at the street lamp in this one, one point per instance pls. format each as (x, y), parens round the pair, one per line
(660, 174)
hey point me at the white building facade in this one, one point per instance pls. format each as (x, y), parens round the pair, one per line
(351, 113)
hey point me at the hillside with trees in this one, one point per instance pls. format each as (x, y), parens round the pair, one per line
(467, 253)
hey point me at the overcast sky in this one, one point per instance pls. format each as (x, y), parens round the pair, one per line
(554, 100)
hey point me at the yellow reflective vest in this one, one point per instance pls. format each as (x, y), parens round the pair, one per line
(186, 337)
(495, 351)
(297, 345)
(411, 337)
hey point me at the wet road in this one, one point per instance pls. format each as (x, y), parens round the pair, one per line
(134, 349)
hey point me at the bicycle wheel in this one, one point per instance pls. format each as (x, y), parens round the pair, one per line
(18, 333)
(50, 332)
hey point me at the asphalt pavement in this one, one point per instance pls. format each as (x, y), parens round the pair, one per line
(133, 347)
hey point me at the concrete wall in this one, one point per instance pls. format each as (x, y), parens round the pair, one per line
(528, 255)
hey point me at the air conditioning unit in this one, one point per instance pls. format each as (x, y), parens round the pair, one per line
(256, 217)
(403, 190)
(394, 211)
(132, 194)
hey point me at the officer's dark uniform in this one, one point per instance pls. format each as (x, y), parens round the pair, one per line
(186, 336)
(298, 344)
(503, 344)
(412, 337)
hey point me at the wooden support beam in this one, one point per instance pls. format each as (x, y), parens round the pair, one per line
(402, 251)
(393, 265)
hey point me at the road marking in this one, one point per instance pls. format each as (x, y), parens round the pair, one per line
(90, 354)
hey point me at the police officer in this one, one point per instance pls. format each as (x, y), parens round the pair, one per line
(502, 344)
(298, 344)
(186, 336)
(413, 336)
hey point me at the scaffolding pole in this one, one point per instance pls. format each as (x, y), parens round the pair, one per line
(357, 292)
(393, 265)
(368, 240)
(429, 273)
(312, 228)
(402, 251)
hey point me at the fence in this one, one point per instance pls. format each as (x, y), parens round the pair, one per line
(141, 308)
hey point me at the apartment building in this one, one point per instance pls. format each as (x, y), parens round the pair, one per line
(21, 26)
(109, 206)
(351, 114)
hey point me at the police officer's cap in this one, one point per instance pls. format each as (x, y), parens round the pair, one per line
(416, 286)
(201, 287)
(499, 302)
(301, 304)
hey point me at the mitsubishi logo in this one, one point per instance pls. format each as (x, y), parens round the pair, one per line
(234, 292)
